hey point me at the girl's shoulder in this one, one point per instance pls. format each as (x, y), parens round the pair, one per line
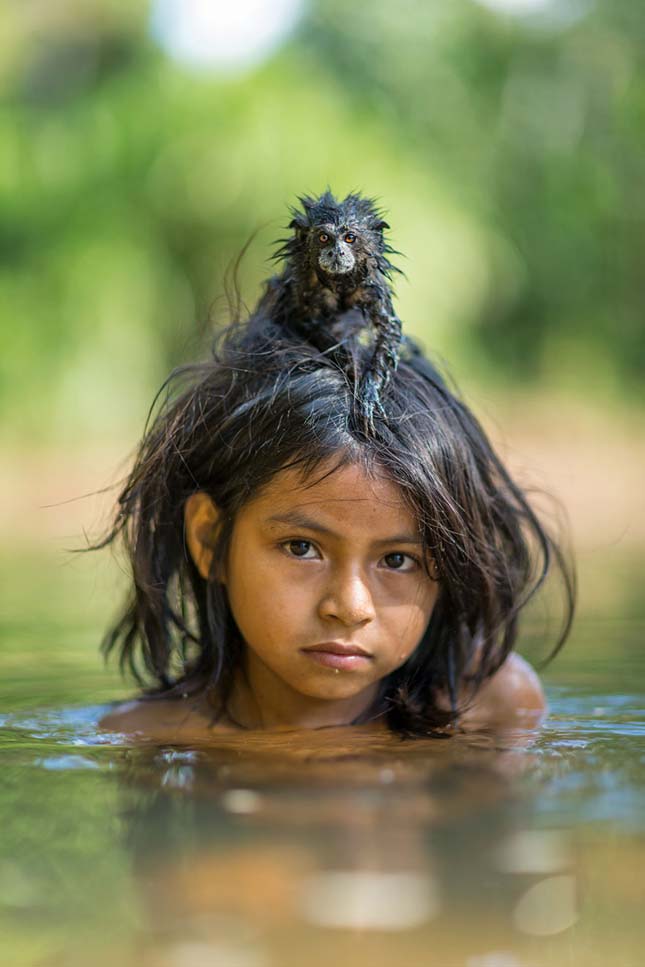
(513, 696)
(163, 719)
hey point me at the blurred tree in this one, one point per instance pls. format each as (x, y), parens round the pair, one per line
(535, 127)
(507, 150)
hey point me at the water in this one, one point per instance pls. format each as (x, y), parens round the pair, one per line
(520, 849)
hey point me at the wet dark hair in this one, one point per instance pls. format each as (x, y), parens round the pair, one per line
(268, 400)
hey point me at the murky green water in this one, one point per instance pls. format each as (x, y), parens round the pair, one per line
(515, 850)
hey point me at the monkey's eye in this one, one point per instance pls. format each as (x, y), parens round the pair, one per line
(323, 237)
(350, 237)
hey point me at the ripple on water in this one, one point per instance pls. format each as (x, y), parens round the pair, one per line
(76, 726)
(64, 762)
(48, 739)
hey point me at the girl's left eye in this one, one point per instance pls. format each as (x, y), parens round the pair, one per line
(300, 549)
(350, 237)
(397, 561)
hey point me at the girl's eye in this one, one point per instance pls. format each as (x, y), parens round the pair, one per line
(301, 549)
(323, 237)
(397, 561)
(350, 237)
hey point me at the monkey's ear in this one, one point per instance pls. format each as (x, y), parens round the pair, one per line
(298, 226)
(381, 225)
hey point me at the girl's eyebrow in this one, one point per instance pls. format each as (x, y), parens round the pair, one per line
(301, 520)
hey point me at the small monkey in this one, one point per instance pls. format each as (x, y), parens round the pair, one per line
(335, 262)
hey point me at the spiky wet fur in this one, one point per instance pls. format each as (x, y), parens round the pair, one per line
(325, 308)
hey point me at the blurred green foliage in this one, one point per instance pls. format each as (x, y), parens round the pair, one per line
(506, 150)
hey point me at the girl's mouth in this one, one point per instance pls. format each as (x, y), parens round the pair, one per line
(331, 654)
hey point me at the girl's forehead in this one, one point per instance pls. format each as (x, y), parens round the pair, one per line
(337, 490)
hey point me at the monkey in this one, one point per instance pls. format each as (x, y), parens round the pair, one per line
(335, 263)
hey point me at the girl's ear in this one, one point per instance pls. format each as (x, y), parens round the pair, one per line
(201, 518)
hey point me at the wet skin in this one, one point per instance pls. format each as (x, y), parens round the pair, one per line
(328, 587)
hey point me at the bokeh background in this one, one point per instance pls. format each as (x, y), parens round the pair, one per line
(142, 144)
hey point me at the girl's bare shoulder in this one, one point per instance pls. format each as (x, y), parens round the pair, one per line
(512, 696)
(162, 719)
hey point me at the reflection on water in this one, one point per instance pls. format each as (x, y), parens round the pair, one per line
(483, 850)
(520, 849)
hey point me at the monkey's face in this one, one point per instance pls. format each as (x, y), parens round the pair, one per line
(338, 249)
(339, 240)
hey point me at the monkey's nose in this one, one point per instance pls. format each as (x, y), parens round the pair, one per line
(335, 262)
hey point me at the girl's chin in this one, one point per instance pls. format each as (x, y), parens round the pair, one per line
(339, 688)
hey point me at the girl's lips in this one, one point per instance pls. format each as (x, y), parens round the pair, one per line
(342, 657)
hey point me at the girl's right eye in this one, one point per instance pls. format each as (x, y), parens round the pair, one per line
(301, 549)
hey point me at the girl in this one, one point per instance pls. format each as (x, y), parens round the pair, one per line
(295, 564)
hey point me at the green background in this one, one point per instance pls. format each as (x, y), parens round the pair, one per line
(506, 149)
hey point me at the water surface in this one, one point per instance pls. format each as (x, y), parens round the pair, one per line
(520, 849)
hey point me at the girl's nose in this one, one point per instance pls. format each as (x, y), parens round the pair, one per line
(348, 600)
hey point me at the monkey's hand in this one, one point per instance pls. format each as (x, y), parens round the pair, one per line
(369, 397)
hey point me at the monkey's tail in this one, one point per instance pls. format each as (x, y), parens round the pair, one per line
(379, 371)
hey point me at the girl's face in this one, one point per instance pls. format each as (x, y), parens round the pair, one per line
(326, 583)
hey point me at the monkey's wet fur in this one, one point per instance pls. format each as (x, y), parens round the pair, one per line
(335, 270)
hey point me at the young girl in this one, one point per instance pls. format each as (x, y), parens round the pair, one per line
(297, 565)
